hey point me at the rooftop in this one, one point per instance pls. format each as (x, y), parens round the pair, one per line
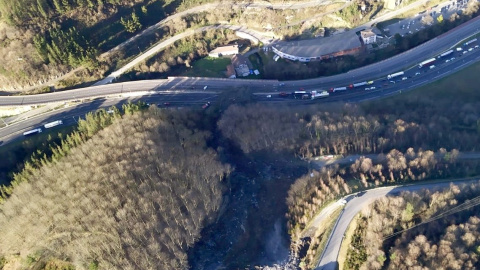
(224, 49)
(320, 46)
(367, 33)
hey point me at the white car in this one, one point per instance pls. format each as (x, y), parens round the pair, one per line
(471, 49)
(459, 49)
(269, 96)
(205, 88)
(432, 66)
(464, 52)
(372, 88)
(448, 60)
(368, 88)
(404, 78)
(418, 73)
(476, 46)
(453, 58)
(342, 202)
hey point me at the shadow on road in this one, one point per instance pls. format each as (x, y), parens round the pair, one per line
(329, 266)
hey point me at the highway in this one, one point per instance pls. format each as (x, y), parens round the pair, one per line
(370, 72)
(355, 203)
(71, 114)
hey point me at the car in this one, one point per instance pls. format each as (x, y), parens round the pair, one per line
(453, 58)
(269, 96)
(166, 104)
(432, 66)
(464, 52)
(206, 105)
(205, 87)
(372, 88)
(476, 46)
(448, 60)
(283, 94)
(392, 82)
(342, 202)
(417, 73)
(459, 49)
(471, 49)
(367, 88)
(281, 84)
(404, 78)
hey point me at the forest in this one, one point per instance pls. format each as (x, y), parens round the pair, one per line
(137, 206)
(421, 230)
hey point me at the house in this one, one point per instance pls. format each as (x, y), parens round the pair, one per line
(225, 50)
(368, 37)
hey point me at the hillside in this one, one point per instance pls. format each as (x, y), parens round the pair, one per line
(434, 230)
(134, 196)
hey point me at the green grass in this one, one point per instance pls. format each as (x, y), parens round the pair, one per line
(208, 67)
(460, 86)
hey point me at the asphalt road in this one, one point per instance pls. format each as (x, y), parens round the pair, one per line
(370, 72)
(355, 204)
(71, 114)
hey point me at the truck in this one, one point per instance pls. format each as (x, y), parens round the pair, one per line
(33, 131)
(426, 63)
(319, 94)
(333, 90)
(391, 76)
(445, 54)
(53, 124)
(299, 94)
(470, 42)
(357, 84)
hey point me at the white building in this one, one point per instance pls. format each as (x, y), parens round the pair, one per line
(225, 50)
(368, 37)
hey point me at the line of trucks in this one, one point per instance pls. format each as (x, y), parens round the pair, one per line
(46, 126)
(314, 94)
(427, 63)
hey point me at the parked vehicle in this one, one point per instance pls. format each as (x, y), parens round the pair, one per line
(432, 66)
(53, 124)
(205, 87)
(206, 105)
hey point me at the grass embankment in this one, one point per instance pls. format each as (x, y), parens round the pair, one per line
(347, 240)
(460, 86)
(319, 240)
(209, 67)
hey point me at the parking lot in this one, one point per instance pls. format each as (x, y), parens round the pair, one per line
(416, 23)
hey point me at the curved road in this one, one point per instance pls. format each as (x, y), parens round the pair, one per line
(380, 69)
(328, 261)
